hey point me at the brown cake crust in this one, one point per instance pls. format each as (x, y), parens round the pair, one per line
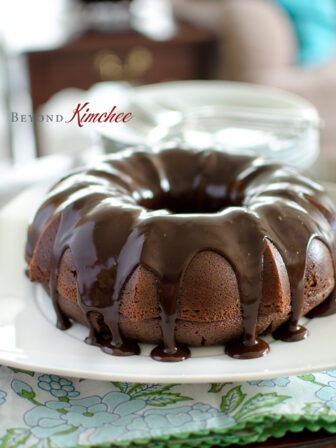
(209, 310)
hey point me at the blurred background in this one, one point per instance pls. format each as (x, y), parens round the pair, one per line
(53, 52)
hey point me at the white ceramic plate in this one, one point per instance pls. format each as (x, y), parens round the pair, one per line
(157, 107)
(30, 340)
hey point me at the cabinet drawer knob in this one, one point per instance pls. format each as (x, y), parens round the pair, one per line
(108, 65)
(139, 60)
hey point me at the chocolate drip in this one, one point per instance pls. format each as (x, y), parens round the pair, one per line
(291, 230)
(62, 321)
(59, 248)
(292, 331)
(168, 299)
(159, 210)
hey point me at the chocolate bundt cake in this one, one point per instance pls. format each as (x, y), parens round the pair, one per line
(181, 247)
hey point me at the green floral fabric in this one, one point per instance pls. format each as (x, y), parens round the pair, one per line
(42, 410)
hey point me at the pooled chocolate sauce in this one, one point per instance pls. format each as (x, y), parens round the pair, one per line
(244, 349)
(159, 210)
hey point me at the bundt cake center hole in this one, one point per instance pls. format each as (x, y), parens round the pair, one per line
(189, 202)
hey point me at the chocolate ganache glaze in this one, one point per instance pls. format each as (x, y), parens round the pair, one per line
(158, 210)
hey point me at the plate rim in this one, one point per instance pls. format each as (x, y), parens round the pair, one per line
(169, 372)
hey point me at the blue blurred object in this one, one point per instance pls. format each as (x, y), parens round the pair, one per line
(315, 26)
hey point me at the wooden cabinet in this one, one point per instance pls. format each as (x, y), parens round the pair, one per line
(127, 56)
